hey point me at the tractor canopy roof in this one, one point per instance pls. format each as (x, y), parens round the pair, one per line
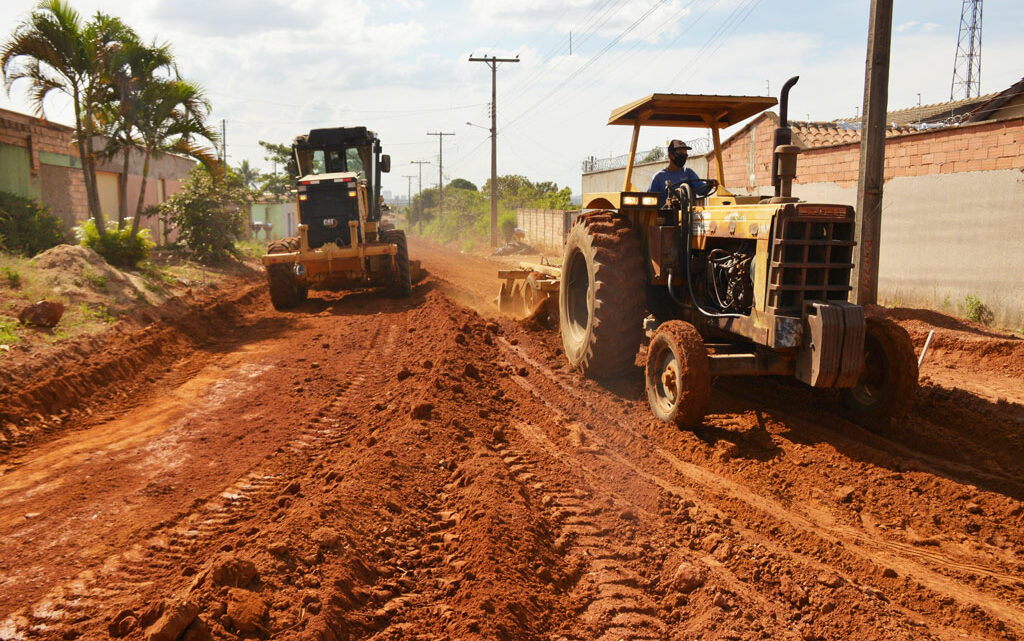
(690, 110)
(335, 137)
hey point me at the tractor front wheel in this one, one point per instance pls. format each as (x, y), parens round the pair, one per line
(888, 382)
(285, 291)
(678, 374)
(601, 296)
(401, 280)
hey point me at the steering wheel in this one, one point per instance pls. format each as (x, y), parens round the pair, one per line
(701, 188)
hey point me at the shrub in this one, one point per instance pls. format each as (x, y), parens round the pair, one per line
(210, 214)
(26, 227)
(507, 221)
(977, 311)
(117, 245)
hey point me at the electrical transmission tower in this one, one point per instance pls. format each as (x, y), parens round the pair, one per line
(967, 66)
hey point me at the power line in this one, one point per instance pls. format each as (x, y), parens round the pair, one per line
(590, 62)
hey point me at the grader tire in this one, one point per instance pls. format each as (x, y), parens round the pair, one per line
(678, 374)
(888, 382)
(400, 284)
(285, 291)
(601, 298)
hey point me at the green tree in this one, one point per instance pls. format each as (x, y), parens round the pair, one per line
(462, 183)
(210, 213)
(278, 183)
(248, 174)
(56, 51)
(133, 67)
(171, 120)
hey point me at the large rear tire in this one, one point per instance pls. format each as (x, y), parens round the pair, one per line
(401, 281)
(285, 291)
(678, 374)
(601, 297)
(888, 383)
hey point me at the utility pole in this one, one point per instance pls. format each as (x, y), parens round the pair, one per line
(440, 168)
(224, 141)
(493, 62)
(872, 152)
(419, 192)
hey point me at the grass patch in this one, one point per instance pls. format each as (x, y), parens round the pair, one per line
(96, 312)
(9, 331)
(12, 276)
(94, 280)
(251, 249)
(156, 279)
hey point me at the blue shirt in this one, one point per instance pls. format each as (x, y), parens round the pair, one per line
(679, 175)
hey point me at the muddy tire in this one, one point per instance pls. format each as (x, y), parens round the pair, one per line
(400, 283)
(601, 296)
(285, 291)
(888, 383)
(678, 374)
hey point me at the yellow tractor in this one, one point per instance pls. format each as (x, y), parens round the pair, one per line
(724, 284)
(342, 243)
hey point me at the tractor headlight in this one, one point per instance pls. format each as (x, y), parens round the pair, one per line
(630, 200)
(649, 200)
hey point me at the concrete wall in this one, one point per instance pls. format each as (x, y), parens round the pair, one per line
(284, 216)
(545, 228)
(612, 179)
(945, 237)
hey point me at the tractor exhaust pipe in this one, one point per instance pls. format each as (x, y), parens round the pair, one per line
(784, 156)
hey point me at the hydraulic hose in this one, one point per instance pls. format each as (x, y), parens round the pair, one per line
(685, 234)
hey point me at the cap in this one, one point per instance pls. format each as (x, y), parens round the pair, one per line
(678, 144)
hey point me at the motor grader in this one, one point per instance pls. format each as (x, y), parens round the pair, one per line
(341, 243)
(722, 284)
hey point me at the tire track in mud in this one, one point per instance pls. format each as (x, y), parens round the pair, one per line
(175, 546)
(612, 604)
(934, 594)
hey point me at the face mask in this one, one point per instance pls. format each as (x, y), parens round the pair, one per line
(679, 158)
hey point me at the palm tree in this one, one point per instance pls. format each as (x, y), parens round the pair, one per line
(248, 174)
(171, 116)
(56, 51)
(135, 65)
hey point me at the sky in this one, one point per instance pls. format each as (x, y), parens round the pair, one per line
(275, 69)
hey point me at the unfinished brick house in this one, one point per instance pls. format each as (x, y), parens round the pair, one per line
(39, 160)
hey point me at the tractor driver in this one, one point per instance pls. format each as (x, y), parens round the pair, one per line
(677, 172)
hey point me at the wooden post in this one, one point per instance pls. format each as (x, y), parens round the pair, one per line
(872, 153)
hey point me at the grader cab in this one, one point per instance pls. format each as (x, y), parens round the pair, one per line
(722, 283)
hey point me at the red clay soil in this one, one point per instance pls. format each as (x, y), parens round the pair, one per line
(373, 468)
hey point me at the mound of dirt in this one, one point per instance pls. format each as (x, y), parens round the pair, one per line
(83, 276)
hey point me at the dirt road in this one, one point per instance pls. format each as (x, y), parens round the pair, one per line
(369, 468)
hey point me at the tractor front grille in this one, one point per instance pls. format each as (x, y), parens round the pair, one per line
(811, 259)
(327, 211)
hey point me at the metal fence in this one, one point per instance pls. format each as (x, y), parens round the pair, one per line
(593, 164)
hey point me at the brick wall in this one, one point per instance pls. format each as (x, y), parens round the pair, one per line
(984, 146)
